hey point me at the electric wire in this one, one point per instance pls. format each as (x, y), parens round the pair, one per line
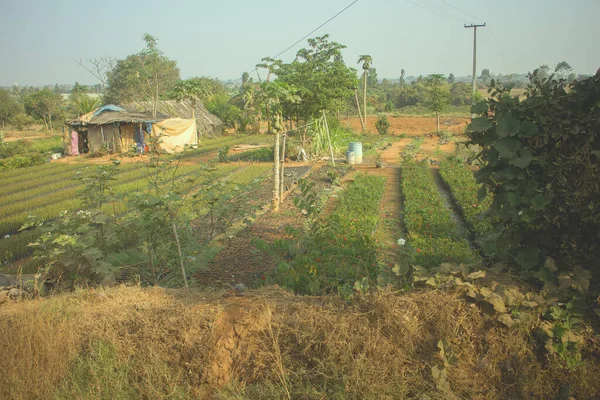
(308, 34)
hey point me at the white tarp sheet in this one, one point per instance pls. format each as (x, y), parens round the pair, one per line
(175, 133)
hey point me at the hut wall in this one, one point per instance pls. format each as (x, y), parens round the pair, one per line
(104, 137)
(127, 136)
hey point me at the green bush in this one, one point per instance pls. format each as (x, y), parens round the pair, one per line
(383, 125)
(337, 254)
(542, 165)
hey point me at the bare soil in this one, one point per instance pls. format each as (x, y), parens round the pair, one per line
(412, 126)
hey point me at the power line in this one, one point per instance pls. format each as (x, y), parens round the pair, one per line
(310, 33)
(458, 9)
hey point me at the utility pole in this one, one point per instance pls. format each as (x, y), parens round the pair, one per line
(474, 26)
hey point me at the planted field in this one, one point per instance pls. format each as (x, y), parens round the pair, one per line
(464, 187)
(432, 231)
(59, 192)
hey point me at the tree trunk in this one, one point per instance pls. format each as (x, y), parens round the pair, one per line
(51, 129)
(176, 236)
(276, 173)
(362, 123)
(365, 99)
(437, 117)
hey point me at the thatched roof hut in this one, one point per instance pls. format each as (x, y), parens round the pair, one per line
(207, 124)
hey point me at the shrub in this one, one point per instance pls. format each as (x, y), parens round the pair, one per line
(383, 125)
(542, 164)
(337, 254)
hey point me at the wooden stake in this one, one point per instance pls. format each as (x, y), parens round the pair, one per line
(275, 205)
(328, 138)
(282, 177)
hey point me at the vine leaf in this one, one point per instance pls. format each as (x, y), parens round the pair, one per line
(507, 147)
(508, 126)
(479, 124)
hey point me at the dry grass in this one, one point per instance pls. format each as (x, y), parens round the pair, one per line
(153, 343)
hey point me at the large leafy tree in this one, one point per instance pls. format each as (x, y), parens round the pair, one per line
(9, 106)
(147, 75)
(323, 80)
(191, 90)
(44, 105)
(563, 69)
(437, 95)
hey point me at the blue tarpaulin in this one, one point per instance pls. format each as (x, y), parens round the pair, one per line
(109, 107)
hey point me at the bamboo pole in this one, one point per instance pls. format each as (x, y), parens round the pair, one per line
(328, 138)
(282, 177)
(275, 205)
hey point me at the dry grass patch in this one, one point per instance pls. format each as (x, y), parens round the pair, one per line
(153, 343)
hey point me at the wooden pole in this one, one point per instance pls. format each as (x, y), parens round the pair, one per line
(275, 205)
(282, 177)
(362, 123)
(328, 138)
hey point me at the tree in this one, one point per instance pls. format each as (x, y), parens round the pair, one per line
(323, 80)
(543, 71)
(402, 80)
(148, 75)
(366, 61)
(191, 90)
(84, 103)
(451, 79)
(9, 106)
(98, 68)
(485, 76)
(562, 69)
(271, 65)
(372, 77)
(437, 95)
(44, 105)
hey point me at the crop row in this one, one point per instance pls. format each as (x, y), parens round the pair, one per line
(29, 205)
(431, 230)
(343, 252)
(463, 188)
(37, 171)
(57, 179)
(15, 247)
(14, 216)
(209, 145)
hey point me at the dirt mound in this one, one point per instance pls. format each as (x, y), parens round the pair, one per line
(129, 342)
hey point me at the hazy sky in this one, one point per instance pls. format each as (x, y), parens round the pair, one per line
(39, 39)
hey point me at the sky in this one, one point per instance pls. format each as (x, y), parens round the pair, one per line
(40, 39)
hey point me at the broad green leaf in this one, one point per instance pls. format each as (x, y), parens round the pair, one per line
(539, 201)
(507, 147)
(522, 161)
(528, 128)
(528, 257)
(508, 126)
(479, 108)
(480, 124)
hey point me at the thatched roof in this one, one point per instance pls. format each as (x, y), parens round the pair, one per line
(207, 123)
(109, 117)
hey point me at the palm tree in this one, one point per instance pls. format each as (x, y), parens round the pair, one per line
(366, 60)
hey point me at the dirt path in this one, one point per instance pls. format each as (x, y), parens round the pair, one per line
(239, 261)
